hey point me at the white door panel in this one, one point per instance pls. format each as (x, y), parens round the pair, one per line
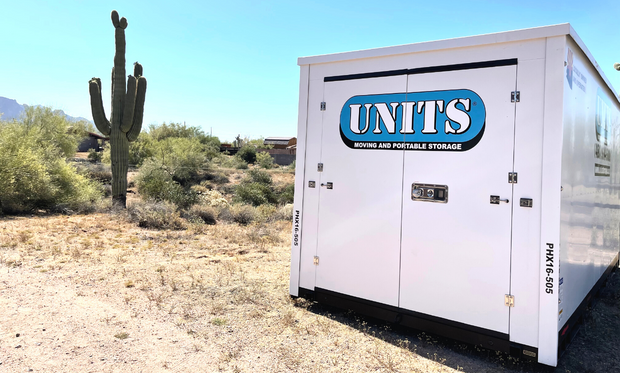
(455, 260)
(359, 219)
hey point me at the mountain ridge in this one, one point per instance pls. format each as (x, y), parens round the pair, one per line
(11, 109)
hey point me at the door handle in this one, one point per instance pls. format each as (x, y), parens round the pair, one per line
(495, 200)
(328, 185)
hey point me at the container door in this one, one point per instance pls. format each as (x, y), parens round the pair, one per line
(457, 199)
(360, 196)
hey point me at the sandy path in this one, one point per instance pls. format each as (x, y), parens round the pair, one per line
(51, 324)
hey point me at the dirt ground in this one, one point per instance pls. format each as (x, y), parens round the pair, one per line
(95, 293)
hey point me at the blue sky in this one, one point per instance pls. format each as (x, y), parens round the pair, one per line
(232, 65)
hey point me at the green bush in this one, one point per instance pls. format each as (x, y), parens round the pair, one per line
(247, 153)
(94, 156)
(156, 215)
(211, 144)
(51, 129)
(254, 193)
(228, 161)
(286, 194)
(259, 176)
(34, 173)
(265, 160)
(155, 182)
(181, 158)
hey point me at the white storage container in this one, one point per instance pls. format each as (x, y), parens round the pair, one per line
(466, 187)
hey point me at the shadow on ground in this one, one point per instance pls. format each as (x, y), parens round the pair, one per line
(595, 348)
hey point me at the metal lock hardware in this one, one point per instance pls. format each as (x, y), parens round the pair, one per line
(525, 202)
(429, 193)
(311, 184)
(328, 185)
(495, 200)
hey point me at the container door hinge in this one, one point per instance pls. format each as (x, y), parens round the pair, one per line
(512, 178)
(323, 105)
(509, 300)
(515, 96)
(316, 261)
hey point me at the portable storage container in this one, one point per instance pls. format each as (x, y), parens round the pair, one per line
(465, 187)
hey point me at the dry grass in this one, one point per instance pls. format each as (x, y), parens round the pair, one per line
(226, 286)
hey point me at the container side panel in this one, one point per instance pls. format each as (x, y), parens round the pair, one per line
(526, 220)
(590, 180)
(311, 195)
(302, 117)
(550, 203)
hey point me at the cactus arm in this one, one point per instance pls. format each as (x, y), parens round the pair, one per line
(115, 20)
(130, 101)
(96, 104)
(137, 70)
(133, 133)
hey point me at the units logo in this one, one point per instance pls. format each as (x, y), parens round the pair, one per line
(428, 121)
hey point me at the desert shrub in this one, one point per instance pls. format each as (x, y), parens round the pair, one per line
(259, 176)
(52, 129)
(99, 172)
(254, 193)
(181, 158)
(265, 160)
(210, 144)
(94, 156)
(34, 173)
(255, 189)
(155, 182)
(217, 177)
(247, 154)
(291, 166)
(214, 198)
(241, 165)
(202, 213)
(286, 194)
(156, 215)
(242, 214)
(284, 213)
(265, 213)
(227, 161)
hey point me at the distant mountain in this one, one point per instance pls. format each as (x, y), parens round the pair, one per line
(10, 109)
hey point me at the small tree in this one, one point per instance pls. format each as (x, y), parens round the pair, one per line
(265, 160)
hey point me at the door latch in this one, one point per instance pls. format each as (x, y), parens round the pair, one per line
(495, 200)
(328, 185)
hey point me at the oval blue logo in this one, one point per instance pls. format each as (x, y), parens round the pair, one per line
(437, 121)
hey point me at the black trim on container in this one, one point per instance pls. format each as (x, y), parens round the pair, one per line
(458, 331)
(424, 70)
(571, 327)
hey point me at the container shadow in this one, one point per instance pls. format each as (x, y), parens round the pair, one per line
(594, 348)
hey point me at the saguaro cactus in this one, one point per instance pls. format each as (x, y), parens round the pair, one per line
(127, 109)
